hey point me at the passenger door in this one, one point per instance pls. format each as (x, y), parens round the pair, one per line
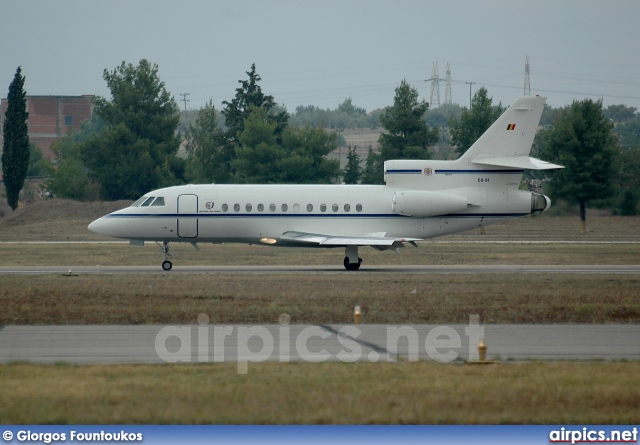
(188, 216)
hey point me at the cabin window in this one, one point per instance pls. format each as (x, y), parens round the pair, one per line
(347, 208)
(236, 207)
(148, 201)
(296, 207)
(285, 207)
(139, 201)
(248, 207)
(309, 207)
(225, 207)
(334, 207)
(260, 208)
(323, 207)
(159, 202)
(358, 207)
(272, 207)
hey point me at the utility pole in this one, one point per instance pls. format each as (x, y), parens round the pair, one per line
(447, 94)
(470, 84)
(185, 100)
(527, 80)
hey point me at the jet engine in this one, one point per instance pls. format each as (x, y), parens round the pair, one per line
(424, 204)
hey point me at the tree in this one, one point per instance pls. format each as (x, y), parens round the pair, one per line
(373, 171)
(581, 140)
(407, 135)
(347, 107)
(207, 161)
(299, 158)
(122, 163)
(353, 171)
(629, 133)
(258, 154)
(35, 160)
(139, 142)
(15, 147)
(627, 174)
(65, 174)
(247, 96)
(473, 123)
(309, 147)
(263, 148)
(619, 113)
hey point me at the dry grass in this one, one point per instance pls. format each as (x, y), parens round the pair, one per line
(322, 299)
(297, 393)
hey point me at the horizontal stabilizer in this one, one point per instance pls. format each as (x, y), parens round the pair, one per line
(520, 162)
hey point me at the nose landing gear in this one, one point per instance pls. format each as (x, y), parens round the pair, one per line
(168, 252)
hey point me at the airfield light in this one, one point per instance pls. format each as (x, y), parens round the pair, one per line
(482, 350)
(357, 315)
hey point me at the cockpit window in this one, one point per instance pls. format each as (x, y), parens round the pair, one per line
(148, 201)
(159, 202)
(139, 201)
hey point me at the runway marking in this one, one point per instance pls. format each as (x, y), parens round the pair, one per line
(380, 350)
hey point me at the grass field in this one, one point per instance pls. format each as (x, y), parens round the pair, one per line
(361, 393)
(327, 393)
(322, 299)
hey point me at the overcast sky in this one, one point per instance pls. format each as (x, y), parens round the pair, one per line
(319, 52)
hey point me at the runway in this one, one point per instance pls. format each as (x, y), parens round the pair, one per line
(312, 343)
(413, 269)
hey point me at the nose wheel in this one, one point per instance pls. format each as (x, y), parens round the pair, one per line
(168, 252)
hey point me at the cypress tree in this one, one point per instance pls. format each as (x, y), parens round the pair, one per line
(15, 147)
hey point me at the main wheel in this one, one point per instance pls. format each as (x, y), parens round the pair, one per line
(167, 265)
(352, 266)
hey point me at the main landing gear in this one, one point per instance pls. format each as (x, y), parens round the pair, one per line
(168, 252)
(351, 260)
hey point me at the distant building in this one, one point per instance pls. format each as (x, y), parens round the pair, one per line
(51, 117)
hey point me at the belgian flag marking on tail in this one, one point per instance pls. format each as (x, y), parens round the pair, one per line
(511, 127)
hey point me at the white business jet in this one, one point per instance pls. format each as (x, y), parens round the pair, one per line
(421, 199)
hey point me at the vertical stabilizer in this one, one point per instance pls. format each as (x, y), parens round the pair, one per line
(511, 136)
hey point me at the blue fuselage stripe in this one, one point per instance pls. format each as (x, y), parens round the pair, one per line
(310, 216)
(404, 172)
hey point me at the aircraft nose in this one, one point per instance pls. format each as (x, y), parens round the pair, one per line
(99, 226)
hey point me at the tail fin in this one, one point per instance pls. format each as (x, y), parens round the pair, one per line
(508, 141)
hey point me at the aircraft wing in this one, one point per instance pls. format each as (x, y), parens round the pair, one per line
(524, 162)
(377, 242)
